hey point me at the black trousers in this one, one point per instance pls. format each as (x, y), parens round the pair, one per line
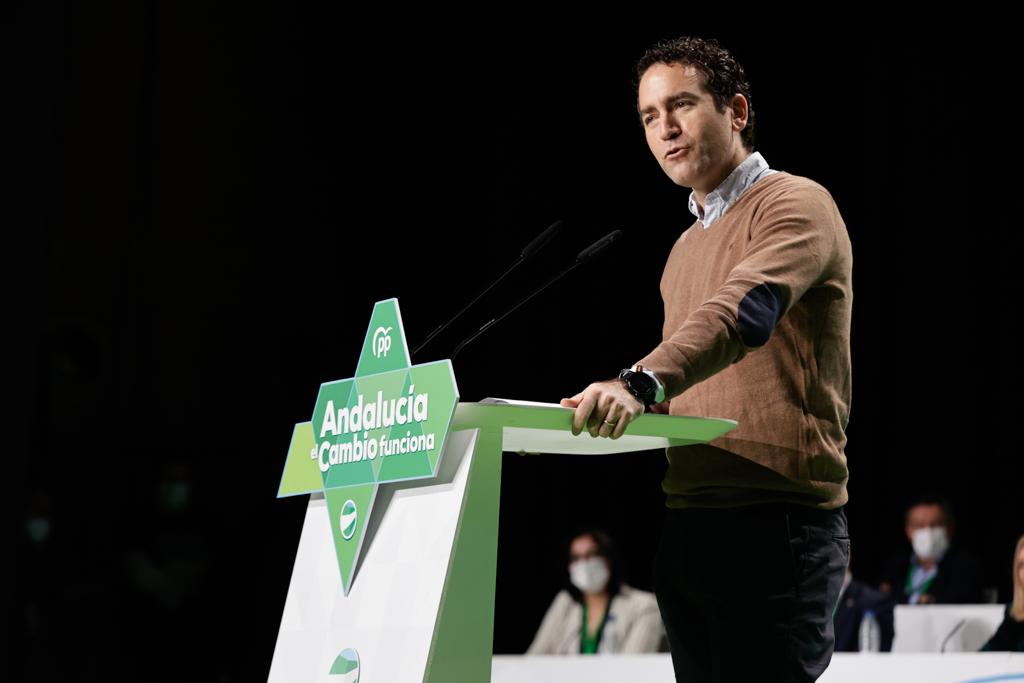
(748, 594)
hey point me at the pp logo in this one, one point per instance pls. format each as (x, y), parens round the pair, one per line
(346, 666)
(349, 517)
(381, 341)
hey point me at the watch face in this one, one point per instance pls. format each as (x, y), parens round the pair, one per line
(643, 380)
(641, 385)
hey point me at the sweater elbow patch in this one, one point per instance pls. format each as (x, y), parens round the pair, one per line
(758, 313)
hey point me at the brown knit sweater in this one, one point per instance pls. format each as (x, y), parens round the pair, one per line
(757, 329)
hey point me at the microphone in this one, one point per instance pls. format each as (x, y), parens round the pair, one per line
(942, 649)
(597, 247)
(584, 256)
(529, 250)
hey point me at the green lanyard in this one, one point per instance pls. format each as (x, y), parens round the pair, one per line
(909, 587)
(588, 645)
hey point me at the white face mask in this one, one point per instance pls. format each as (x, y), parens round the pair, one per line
(589, 575)
(930, 543)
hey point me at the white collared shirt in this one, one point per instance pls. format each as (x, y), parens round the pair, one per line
(753, 168)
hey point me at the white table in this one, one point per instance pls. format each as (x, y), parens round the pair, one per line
(845, 668)
(962, 628)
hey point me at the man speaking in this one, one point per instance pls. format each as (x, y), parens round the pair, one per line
(758, 298)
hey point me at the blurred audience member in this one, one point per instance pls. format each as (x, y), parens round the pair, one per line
(597, 612)
(1009, 637)
(933, 571)
(855, 600)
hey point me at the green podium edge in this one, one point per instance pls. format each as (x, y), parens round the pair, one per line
(463, 641)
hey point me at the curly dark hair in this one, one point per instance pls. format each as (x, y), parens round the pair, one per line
(723, 75)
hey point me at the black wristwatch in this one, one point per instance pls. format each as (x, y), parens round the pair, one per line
(640, 385)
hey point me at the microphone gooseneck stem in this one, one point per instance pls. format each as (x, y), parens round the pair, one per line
(504, 315)
(465, 308)
(535, 245)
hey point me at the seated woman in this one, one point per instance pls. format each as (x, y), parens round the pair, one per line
(597, 613)
(1009, 637)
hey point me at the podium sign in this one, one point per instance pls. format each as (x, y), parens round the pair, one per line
(386, 424)
(394, 573)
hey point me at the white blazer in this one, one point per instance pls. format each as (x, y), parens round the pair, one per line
(634, 625)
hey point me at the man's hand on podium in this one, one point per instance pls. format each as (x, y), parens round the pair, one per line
(604, 408)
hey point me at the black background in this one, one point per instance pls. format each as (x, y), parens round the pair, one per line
(203, 202)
